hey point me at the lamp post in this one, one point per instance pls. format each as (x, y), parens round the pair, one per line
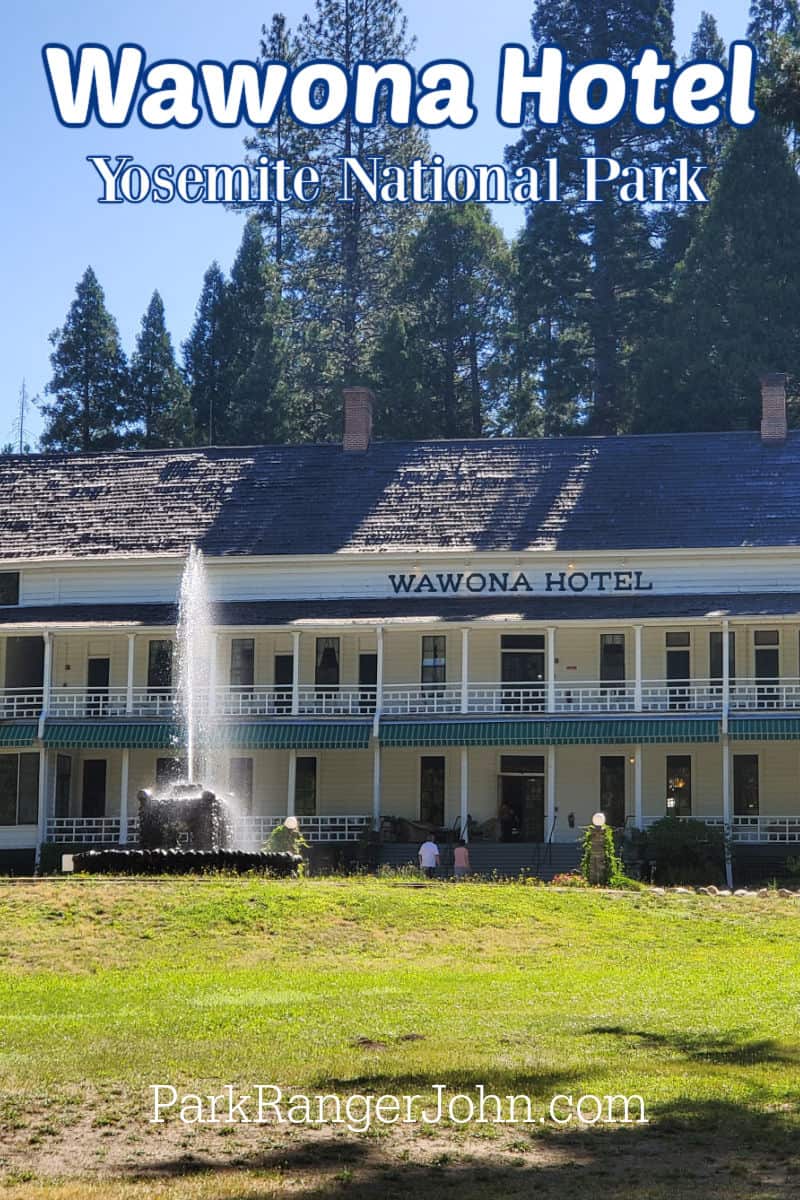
(597, 850)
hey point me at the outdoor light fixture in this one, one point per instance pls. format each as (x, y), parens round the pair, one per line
(291, 823)
(599, 820)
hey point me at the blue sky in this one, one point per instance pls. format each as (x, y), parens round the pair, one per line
(52, 224)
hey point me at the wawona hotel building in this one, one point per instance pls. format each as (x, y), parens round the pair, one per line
(499, 637)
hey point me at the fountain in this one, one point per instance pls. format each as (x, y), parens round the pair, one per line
(187, 826)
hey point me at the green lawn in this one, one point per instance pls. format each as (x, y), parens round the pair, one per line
(315, 985)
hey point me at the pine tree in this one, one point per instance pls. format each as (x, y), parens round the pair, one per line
(205, 359)
(770, 20)
(89, 380)
(255, 411)
(444, 354)
(158, 402)
(734, 309)
(336, 259)
(612, 304)
(283, 139)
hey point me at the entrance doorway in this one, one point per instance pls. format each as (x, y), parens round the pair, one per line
(679, 670)
(521, 798)
(612, 789)
(522, 672)
(98, 673)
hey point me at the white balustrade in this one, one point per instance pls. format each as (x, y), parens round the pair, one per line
(20, 703)
(249, 833)
(570, 697)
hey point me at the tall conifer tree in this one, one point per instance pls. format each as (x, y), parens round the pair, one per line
(89, 381)
(734, 310)
(158, 401)
(608, 306)
(205, 359)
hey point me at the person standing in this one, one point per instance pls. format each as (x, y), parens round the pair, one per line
(428, 855)
(461, 860)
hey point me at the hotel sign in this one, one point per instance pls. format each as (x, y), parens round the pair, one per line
(511, 583)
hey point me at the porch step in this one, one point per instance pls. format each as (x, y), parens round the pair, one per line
(506, 859)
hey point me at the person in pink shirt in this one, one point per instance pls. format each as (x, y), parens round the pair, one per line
(461, 860)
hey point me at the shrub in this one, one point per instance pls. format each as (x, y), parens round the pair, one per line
(569, 879)
(614, 874)
(685, 851)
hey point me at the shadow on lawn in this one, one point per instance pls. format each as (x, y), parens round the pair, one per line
(692, 1151)
(725, 1051)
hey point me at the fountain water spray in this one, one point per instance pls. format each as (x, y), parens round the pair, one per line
(196, 683)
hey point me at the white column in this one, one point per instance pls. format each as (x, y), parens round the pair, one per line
(637, 678)
(465, 670)
(129, 683)
(550, 642)
(550, 811)
(295, 675)
(41, 824)
(376, 786)
(292, 782)
(464, 813)
(638, 805)
(212, 673)
(47, 680)
(123, 797)
(376, 721)
(726, 676)
(727, 806)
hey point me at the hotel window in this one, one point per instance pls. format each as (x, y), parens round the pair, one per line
(326, 672)
(767, 649)
(159, 664)
(715, 656)
(63, 784)
(305, 787)
(431, 790)
(241, 783)
(745, 785)
(612, 657)
(679, 785)
(434, 659)
(95, 772)
(9, 587)
(243, 658)
(170, 770)
(19, 789)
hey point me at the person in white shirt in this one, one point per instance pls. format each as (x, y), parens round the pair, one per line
(428, 855)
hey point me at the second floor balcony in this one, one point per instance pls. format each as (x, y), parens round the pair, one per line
(494, 698)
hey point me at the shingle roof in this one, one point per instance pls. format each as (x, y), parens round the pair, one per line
(618, 493)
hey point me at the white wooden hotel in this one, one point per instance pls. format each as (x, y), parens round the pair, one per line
(494, 637)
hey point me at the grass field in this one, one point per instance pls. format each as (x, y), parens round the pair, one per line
(381, 986)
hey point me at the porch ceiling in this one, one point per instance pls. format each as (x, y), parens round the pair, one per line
(544, 733)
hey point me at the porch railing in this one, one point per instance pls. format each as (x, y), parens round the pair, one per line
(90, 831)
(755, 828)
(20, 703)
(249, 833)
(562, 697)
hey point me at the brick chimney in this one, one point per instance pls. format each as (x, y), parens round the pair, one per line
(773, 408)
(358, 402)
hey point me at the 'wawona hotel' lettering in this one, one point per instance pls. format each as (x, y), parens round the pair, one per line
(488, 638)
(506, 582)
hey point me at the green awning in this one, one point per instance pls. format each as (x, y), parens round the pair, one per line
(296, 735)
(547, 733)
(110, 735)
(235, 735)
(766, 729)
(19, 733)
